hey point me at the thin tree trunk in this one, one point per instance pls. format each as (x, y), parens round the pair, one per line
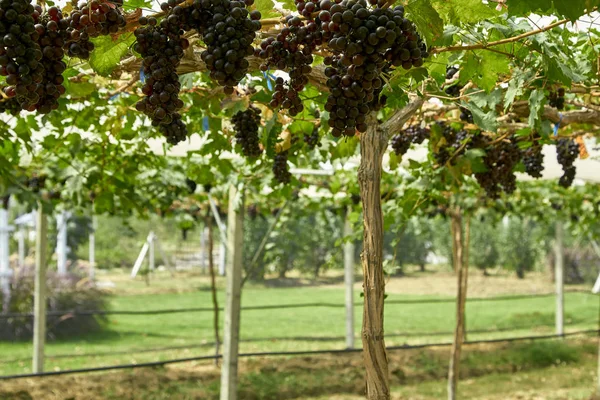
(462, 273)
(213, 286)
(372, 147)
(466, 274)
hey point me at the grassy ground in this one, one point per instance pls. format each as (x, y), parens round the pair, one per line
(134, 339)
(551, 370)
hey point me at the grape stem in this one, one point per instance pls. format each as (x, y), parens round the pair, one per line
(486, 46)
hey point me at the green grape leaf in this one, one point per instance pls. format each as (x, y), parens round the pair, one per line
(428, 21)
(107, 53)
(266, 8)
(485, 120)
(537, 99)
(459, 12)
(483, 67)
(133, 4)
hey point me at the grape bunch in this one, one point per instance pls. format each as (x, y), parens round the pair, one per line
(533, 159)
(228, 29)
(557, 99)
(291, 49)
(10, 105)
(89, 20)
(191, 184)
(413, 134)
(162, 49)
(466, 115)
(567, 151)
(281, 169)
(451, 71)
(312, 140)
(246, 125)
(366, 42)
(52, 31)
(500, 160)
(20, 54)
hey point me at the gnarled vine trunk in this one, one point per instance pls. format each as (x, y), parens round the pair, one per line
(373, 144)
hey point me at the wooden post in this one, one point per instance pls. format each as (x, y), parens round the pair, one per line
(559, 278)
(349, 281)
(92, 254)
(39, 300)
(151, 239)
(5, 271)
(61, 242)
(213, 287)
(21, 238)
(235, 241)
(462, 274)
(372, 147)
(222, 257)
(203, 245)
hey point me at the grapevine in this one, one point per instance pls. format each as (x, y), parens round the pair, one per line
(312, 140)
(533, 159)
(413, 134)
(281, 169)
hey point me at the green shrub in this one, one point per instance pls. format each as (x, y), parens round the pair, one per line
(65, 294)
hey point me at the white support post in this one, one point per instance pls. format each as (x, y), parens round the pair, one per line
(151, 239)
(233, 296)
(222, 257)
(61, 242)
(559, 278)
(349, 281)
(5, 271)
(92, 255)
(39, 301)
(22, 238)
(141, 256)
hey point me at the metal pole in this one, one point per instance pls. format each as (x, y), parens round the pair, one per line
(349, 281)
(93, 248)
(233, 296)
(39, 301)
(559, 278)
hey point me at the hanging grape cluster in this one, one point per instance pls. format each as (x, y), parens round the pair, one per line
(557, 99)
(89, 20)
(20, 54)
(291, 49)
(246, 124)
(281, 169)
(533, 160)
(228, 29)
(366, 43)
(567, 151)
(162, 49)
(34, 44)
(312, 140)
(413, 134)
(500, 161)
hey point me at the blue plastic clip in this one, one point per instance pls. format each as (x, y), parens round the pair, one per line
(557, 125)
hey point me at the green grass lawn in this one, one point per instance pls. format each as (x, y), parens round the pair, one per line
(135, 337)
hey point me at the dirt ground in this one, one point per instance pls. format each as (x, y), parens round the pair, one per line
(278, 378)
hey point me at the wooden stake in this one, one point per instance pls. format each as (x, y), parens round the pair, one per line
(349, 281)
(235, 242)
(39, 300)
(559, 278)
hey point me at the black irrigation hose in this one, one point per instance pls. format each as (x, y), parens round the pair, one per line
(281, 353)
(265, 339)
(271, 307)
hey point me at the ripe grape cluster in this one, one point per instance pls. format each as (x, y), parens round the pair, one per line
(466, 115)
(52, 31)
(228, 29)
(557, 99)
(500, 160)
(291, 49)
(90, 20)
(162, 49)
(533, 159)
(246, 125)
(567, 151)
(20, 54)
(413, 134)
(312, 140)
(281, 169)
(33, 45)
(366, 42)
